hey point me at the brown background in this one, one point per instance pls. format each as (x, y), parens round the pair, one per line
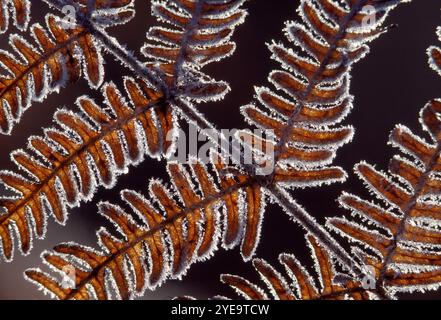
(390, 86)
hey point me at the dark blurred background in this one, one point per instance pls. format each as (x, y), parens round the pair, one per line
(390, 86)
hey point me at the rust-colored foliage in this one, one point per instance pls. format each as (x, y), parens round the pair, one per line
(174, 231)
(200, 35)
(66, 165)
(69, 164)
(54, 59)
(306, 128)
(300, 284)
(403, 247)
(63, 48)
(399, 242)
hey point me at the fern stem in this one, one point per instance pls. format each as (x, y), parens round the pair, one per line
(188, 34)
(311, 226)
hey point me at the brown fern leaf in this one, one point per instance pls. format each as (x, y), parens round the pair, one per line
(403, 248)
(242, 191)
(63, 171)
(91, 148)
(20, 11)
(434, 54)
(245, 227)
(176, 228)
(62, 53)
(201, 34)
(315, 77)
(299, 285)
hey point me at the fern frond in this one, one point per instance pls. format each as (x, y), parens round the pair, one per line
(299, 285)
(61, 174)
(403, 239)
(306, 137)
(313, 97)
(20, 11)
(200, 33)
(90, 149)
(62, 53)
(162, 237)
(315, 78)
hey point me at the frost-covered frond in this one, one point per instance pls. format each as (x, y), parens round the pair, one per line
(197, 32)
(19, 11)
(90, 148)
(434, 54)
(61, 52)
(312, 88)
(299, 284)
(402, 238)
(160, 239)
(313, 99)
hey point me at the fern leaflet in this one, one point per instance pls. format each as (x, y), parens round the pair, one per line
(20, 11)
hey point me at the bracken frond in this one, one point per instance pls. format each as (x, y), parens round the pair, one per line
(88, 152)
(305, 146)
(64, 51)
(90, 149)
(299, 285)
(200, 34)
(161, 238)
(20, 10)
(403, 239)
(316, 77)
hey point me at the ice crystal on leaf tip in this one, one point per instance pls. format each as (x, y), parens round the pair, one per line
(434, 54)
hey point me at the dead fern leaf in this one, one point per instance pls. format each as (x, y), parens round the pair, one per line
(313, 99)
(306, 137)
(66, 165)
(315, 78)
(88, 146)
(402, 243)
(176, 228)
(62, 171)
(62, 54)
(20, 10)
(200, 34)
(299, 285)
